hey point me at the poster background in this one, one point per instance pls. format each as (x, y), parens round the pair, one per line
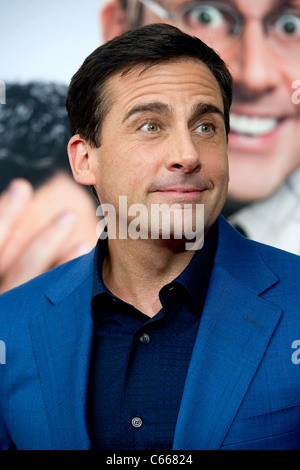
(47, 39)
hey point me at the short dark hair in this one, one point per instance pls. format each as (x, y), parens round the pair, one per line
(87, 102)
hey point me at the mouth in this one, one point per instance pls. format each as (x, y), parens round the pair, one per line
(181, 195)
(252, 126)
(250, 134)
(181, 190)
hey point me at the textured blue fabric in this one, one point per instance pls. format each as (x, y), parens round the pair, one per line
(130, 378)
(242, 389)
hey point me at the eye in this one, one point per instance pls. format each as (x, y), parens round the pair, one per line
(206, 16)
(205, 128)
(288, 25)
(150, 127)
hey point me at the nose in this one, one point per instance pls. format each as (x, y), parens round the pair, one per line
(183, 153)
(255, 69)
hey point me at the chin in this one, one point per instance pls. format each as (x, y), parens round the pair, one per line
(248, 185)
(251, 195)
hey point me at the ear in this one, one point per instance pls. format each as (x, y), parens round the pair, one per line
(113, 20)
(80, 158)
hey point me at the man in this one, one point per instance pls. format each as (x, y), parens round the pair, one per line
(260, 43)
(263, 151)
(143, 343)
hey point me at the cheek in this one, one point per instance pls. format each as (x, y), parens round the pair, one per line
(290, 71)
(285, 157)
(294, 143)
(217, 169)
(108, 178)
(119, 173)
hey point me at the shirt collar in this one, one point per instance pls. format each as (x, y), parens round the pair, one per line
(194, 279)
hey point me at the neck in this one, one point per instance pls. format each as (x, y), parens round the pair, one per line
(136, 270)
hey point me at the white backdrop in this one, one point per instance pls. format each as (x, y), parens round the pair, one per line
(46, 39)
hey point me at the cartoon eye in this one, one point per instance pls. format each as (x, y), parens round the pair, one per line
(288, 25)
(207, 16)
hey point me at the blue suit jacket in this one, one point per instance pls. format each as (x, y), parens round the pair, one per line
(242, 389)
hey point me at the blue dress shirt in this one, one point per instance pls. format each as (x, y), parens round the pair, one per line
(139, 364)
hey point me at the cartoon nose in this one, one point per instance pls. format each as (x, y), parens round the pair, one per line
(254, 69)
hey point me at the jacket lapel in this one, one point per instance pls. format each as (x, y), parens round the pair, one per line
(62, 339)
(235, 329)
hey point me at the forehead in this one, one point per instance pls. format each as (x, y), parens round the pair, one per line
(186, 80)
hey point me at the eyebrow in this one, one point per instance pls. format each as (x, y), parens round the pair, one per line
(155, 107)
(204, 108)
(162, 108)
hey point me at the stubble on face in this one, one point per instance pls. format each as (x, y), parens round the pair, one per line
(161, 166)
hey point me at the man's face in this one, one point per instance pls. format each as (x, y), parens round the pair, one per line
(160, 142)
(265, 126)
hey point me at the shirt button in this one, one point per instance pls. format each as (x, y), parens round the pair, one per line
(136, 422)
(144, 338)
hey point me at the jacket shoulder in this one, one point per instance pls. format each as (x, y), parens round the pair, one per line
(32, 296)
(255, 264)
(234, 240)
(281, 260)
